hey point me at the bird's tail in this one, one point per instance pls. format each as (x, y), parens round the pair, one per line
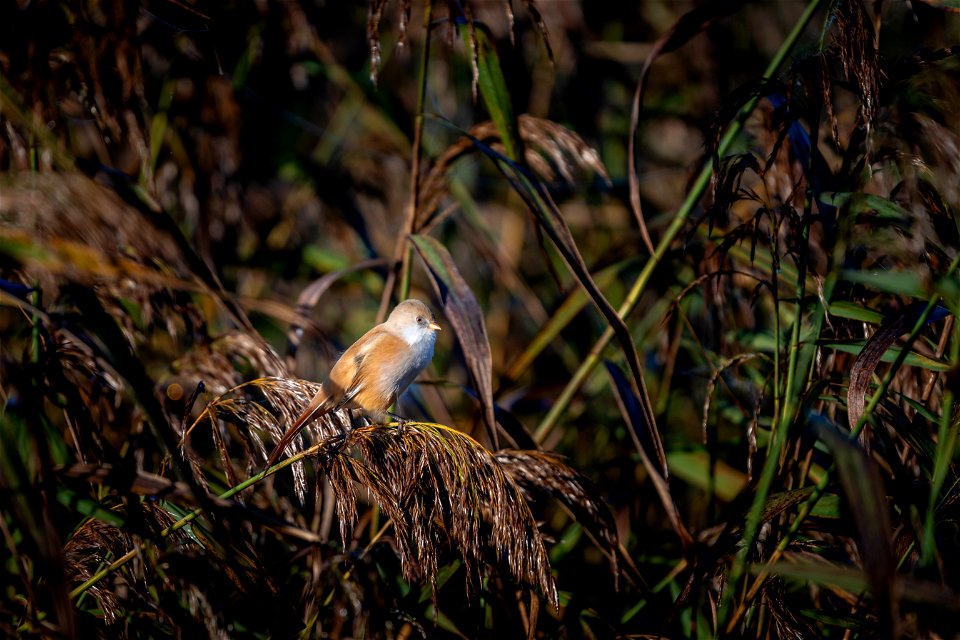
(317, 407)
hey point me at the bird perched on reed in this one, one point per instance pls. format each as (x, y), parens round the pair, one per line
(375, 370)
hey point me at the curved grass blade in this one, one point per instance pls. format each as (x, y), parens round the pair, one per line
(895, 282)
(913, 359)
(633, 412)
(550, 219)
(312, 293)
(873, 352)
(863, 487)
(463, 311)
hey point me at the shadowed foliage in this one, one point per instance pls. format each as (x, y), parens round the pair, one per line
(695, 262)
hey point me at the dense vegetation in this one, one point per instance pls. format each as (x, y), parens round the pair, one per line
(696, 266)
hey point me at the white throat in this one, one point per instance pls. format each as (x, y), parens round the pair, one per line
(416, 335)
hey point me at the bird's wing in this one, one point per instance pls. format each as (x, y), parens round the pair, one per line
(366, 376)
(374, 363)
(346, 379)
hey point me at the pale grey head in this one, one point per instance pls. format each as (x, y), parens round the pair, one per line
(413, 321)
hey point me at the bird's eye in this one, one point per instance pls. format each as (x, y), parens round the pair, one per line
(419, 319)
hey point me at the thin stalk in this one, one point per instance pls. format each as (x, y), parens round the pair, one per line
(827, 477)
(775, 269)
(404, 251)
(679, 220)
(946, 445)
(787, 403)
(35, 326)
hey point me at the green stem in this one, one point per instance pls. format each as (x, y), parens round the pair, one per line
(807, 507)
(679, 220)
(404, 249)
(787, 406)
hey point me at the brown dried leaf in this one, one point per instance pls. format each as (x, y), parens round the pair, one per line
(463, 311)
(441, 487)
(550, 150)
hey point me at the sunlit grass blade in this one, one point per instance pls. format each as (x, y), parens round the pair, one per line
(493, 86)
(463, 311)
(693, 467)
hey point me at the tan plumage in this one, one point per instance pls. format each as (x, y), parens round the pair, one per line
(375, 370)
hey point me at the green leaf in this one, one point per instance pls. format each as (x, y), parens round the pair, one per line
(87, 506)
(493, 85)
(568, 540)
(947, 439)
(443, 576)
(694, 468)
(852, 311)
(443, 621)
(324, 260)
(903, 283)
(853, 580)
(847, 622)
(858, 203)
(913, 359)
(828, 506)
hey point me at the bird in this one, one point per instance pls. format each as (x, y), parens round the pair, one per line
(375, 370)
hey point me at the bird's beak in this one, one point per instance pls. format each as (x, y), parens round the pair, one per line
(434, 326)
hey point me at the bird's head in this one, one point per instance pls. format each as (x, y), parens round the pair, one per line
(414, 322)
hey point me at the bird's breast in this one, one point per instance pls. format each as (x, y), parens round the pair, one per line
(387, 365)
(411, 360)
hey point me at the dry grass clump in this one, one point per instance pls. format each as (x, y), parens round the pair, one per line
(766, 270)
(440, 488)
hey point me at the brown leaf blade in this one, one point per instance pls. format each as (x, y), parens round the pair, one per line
(866, 497)
(632, 410)
(463, 311)
(311, 295)
(872, 353)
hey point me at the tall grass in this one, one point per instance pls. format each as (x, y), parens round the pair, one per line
(750, 223)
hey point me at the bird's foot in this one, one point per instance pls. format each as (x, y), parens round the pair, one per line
(401, 428)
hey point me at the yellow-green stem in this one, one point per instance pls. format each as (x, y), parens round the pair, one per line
(807, 507)
(680, 219)
(405, 250)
